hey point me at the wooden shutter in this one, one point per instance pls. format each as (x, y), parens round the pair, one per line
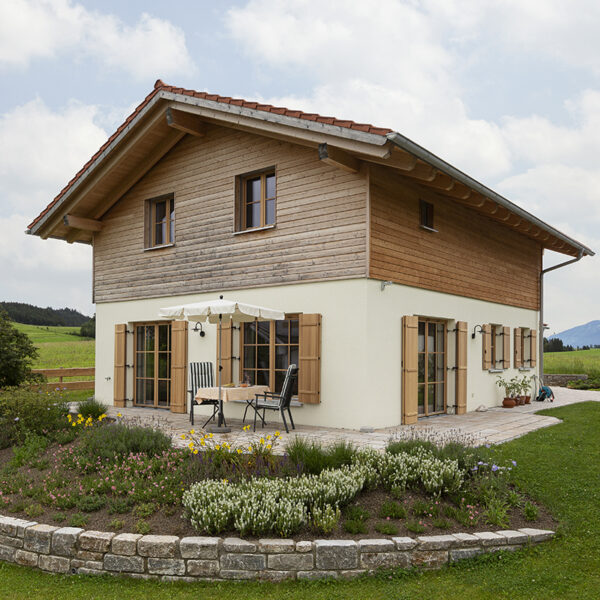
(120, 375)
(179, 348)
(309, 369)
(518, 354)
(533, 349)
(506, 347)
(226, 353)
(487, 346)
(461, 367)
(410, 336)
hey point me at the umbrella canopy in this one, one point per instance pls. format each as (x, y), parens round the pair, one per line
(210, 311)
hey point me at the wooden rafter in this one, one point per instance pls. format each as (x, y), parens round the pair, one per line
(82, 223)
(338, 158)
(185, 122)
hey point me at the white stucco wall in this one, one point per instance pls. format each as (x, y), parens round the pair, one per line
(361, 344)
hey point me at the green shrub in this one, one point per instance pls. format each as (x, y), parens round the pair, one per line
(78, 520)
(355, 527)
(116, 524)
(118, 440)
(16, 354)
(28, 411)
(415, 527)
(34, 510)
(142, 527)
(496, 512)
(59, 517)
(420, 508)
(118, 506)
(441, 523)
(410, 446)
(513, 498)
(313, 458)
(356, 513)
(530, 511)
(144, 510)
(31, 449)
(17, 506)
(91, 408)
(387, 528)
(325, 519)
(91, 503)
(392, 510)
(450, 512)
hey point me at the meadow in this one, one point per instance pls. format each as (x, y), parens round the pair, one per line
(578, 361)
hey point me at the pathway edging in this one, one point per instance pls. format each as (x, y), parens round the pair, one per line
(72, 550)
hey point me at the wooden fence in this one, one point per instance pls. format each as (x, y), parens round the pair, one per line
(72, 372)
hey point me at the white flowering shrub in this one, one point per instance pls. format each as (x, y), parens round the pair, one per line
(283, 506)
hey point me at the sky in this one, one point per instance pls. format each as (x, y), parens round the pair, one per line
(507, 91)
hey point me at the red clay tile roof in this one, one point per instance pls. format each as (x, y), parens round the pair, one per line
(161, 86)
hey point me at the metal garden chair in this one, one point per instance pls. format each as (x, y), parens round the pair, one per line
(280, 402)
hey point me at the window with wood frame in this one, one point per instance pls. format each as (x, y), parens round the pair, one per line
(152, 365)
(160, 221)
(496, 347)
(426, 215)
(257, 198)
(267, 349)
(526, 347)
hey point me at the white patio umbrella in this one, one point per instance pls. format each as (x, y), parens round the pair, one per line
(215, 311)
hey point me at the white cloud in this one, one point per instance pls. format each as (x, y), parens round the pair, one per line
(31, 29)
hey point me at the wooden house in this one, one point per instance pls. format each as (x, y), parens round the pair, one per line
(408, 285)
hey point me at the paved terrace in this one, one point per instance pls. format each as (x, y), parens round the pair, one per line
(494, 426)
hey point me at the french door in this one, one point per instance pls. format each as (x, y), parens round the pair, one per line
(432, 385)
(152, 365)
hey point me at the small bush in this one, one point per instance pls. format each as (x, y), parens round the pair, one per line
(16, 354)
(170, 511)
(78, 520)
(415, 526)
(91, 408)
(65, 502)
(118, 506)
(420, 508)
(392, 510)
(450, 512)
(496, 512)
(34, 510)
(325, 519)
(116, 524)
(530, 511)
(91, 503)
(410, 446)
(355, 527)
(17, 506)
(513, 498)
(313, 458)
(356, 513)
(387, 528)
(145, 510)
(59, 517)
(142, 527)
(33, 446)
(441, 523)
(118, 440)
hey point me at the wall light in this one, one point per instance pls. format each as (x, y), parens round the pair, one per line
(384, 283)
(475, 331)
(198, 328)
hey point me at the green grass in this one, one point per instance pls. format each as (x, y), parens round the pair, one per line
(557, 466)
(41, 334)
(578, 361)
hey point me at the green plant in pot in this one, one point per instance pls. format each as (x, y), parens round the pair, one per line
(509, 391)
(526, 388)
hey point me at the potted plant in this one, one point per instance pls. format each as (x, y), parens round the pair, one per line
(509, 391)
(526, 388)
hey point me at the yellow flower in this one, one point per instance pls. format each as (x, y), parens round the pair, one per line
(69, 418)
(268, 437)
(225, 481)
(79, 416)
(268, 446)
(217, 447)
(191, 445)
(262, 440)
(239, 450)
(183, 436)
(119, 415)
(249, 448)
(202, 443)
(73, 424)
(195, 451)
(210, 435)
(277, 433)
(192, 431)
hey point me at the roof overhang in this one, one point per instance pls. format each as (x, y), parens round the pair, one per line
(166, 116)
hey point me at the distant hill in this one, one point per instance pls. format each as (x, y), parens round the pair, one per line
(35, 315)
(582, 335)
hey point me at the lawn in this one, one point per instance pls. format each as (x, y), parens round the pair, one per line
(558, 466)
(578, 361)
(41, 334)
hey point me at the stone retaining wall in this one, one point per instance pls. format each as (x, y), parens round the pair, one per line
(167, 557)
(561, 380)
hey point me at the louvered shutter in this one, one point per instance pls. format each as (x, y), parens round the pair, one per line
(120, 374)
(506, 347)
(533, 349)
(309, 369)
(410, 334)
(179, 348)
(487, 346)
(226, 352)
(461, 367)
(518, 354)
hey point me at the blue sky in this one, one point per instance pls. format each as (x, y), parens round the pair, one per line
(505, 90)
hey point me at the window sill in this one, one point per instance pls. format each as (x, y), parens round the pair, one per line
(525, 369)
(159, 247)
(430, 229)
(495, 370)
(265, 228)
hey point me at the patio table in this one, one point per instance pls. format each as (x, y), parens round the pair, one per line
(231, 394)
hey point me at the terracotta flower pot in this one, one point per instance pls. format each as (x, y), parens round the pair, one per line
(509, 402)
(521, 400)
(527, 399)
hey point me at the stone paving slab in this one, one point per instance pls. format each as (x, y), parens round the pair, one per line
(493, 426)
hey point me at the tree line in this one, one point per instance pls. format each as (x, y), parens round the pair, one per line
(36, 315)
(557, 345)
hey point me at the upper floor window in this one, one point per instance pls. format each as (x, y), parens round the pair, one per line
(426, 215)
(257, 197)
(160, 222)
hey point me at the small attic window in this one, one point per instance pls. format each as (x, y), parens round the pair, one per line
(426, 215)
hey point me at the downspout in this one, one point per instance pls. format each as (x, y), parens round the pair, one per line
(541, 333)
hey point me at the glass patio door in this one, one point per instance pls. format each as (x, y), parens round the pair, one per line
(152, 365)
(431, 367)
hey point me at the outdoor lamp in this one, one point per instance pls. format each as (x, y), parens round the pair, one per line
(475, 331)
(198, 327)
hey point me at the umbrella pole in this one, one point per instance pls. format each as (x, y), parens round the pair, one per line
(220, 367)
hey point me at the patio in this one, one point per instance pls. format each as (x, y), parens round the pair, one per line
(494, 426)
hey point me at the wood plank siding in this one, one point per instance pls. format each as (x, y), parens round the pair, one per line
(471, 255)
(320, 231)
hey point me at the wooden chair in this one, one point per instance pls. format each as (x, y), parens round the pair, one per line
(201, 375)
(280, 402)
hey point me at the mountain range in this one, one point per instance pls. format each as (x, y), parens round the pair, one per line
(582, 335)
